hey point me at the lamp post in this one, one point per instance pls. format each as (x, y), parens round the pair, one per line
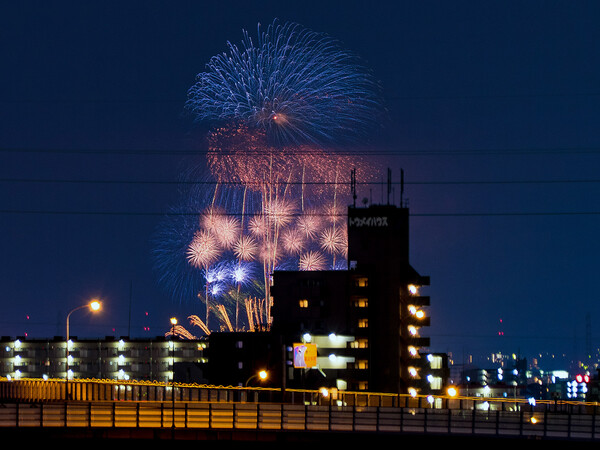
(94, 305)
(173, 323)
(262, 374)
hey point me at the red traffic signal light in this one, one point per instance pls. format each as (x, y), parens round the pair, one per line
(582, 378)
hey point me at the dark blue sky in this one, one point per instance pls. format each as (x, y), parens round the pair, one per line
(500, 97)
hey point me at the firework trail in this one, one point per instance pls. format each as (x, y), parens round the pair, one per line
(180, 331)
(296, 85)
(195, 320)
(278, 106)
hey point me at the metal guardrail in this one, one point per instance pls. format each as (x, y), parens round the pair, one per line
(134, 405)
(257, 416)
(40, 390)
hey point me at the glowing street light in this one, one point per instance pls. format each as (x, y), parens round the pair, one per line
(452, 391)
(94, 306)
(261, 374)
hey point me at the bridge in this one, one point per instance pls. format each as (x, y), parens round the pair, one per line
(137, 410)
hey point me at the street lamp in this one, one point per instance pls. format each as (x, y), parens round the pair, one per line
(94, 305)
(173, 323)
(262, 374)
(452, 391)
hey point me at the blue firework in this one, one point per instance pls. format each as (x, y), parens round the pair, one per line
(298, 86)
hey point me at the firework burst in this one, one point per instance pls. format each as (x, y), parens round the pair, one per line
(203, 249)
(245, 248)
(228, 231)
(293, 240)
(310, 223)
(333, 240)
(295, 84)
(312, 260)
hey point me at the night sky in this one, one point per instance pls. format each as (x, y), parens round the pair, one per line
(493, 116)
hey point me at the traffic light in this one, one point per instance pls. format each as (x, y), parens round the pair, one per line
(578, 387)
(582, 378)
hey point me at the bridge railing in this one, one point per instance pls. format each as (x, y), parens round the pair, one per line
(57, 390)
(135, 415)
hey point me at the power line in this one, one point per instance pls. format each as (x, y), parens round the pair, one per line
(145, 100)
(362, 151)
(495, 96)
(236, 183)
(195, 213)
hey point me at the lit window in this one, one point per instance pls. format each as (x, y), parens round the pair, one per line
(362, 282)
(435, 361)
(363, 323)
(361, 303)
(362, 364)
(435, 382)
(360, 343)
(303, 303)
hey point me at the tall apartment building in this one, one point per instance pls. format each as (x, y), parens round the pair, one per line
(361, 327)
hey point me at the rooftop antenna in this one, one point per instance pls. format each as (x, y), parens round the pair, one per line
(353, 185)
(389, 184)
(401, 188)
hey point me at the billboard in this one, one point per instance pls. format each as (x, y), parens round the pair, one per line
(305, 356)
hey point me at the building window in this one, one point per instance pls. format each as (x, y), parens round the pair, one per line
(435, 361)
(362, 364)
(435, 382)
(361, 282)
(361, 302)
(360, 343)
(363, 323)
(303, 303)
